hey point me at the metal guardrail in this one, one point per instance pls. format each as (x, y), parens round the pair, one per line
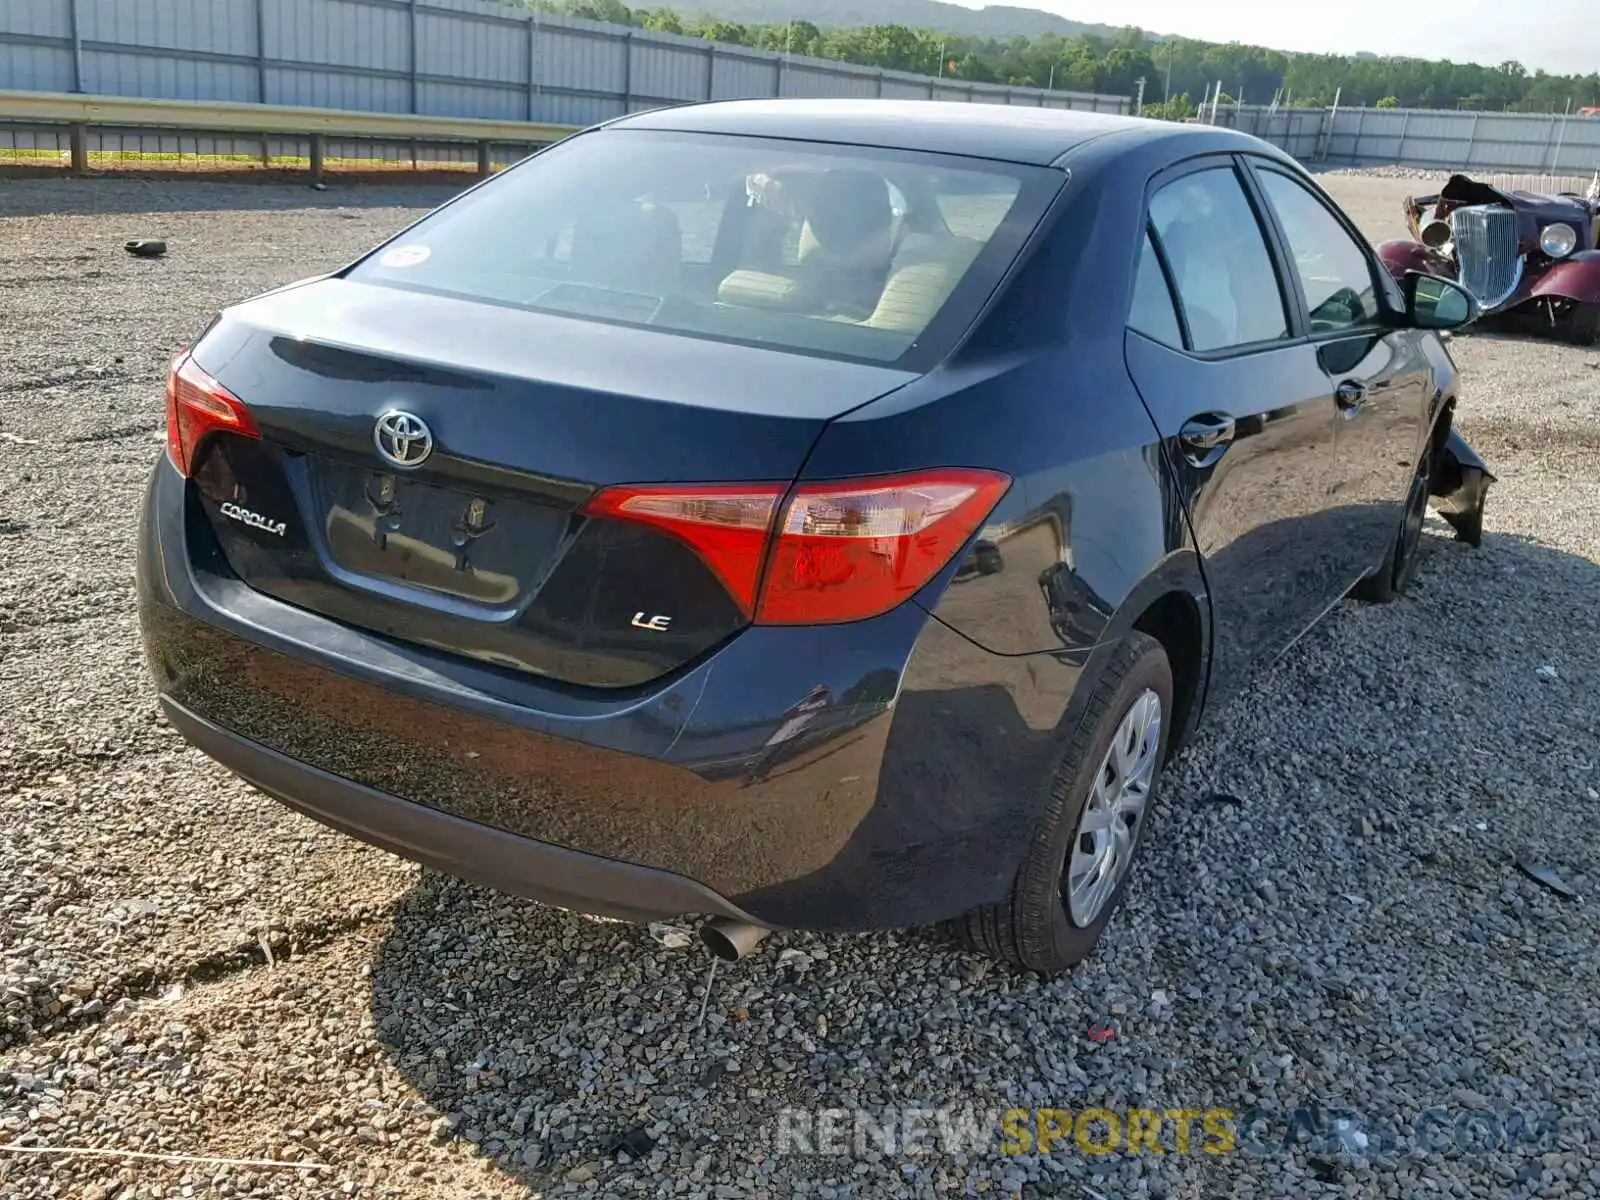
(498, 59)
(79, 113)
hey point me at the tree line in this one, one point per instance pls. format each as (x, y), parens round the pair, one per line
(1176, 71)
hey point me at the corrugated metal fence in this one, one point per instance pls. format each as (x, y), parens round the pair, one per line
(1448, 139)
(460, 58)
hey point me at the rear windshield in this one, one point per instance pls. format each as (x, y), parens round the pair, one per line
(867, 254)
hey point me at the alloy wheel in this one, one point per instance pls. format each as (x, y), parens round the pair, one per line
(1109, 826)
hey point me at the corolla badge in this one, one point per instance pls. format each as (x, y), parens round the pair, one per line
(253, 519)
(403, 439)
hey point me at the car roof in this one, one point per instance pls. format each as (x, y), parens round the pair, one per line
(1015, 133)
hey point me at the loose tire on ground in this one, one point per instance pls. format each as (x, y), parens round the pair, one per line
(1031, 930)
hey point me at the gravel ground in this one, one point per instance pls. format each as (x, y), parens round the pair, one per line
(187, 969)
(1394, 171)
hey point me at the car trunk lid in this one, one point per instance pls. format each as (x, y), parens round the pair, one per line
(482, 546)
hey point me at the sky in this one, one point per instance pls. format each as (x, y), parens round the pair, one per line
(1562, 36)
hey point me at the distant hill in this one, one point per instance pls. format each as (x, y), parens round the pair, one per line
(1024, 47)
(995, 21)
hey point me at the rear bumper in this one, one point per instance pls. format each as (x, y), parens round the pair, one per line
(466, 849)
(910, 799)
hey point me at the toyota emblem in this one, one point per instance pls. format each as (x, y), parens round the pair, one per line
(403, 439)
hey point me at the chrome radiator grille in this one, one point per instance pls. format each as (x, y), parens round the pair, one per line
(1486, 250)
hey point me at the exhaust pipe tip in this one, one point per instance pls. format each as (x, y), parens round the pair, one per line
(731, 940)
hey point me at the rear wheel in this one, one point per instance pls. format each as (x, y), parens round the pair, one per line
(1094, 823)
(1391, 580)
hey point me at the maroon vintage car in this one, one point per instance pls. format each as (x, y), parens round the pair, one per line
(1530, 259)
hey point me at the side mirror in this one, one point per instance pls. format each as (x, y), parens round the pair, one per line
(1434, 303)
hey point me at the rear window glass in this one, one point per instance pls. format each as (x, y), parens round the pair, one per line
(877, 255)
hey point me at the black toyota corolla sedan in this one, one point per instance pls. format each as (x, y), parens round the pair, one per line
(799, 514)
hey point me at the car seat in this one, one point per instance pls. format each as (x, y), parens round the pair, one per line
(844, 251)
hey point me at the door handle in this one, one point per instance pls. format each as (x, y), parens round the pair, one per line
(1349, 395)
(1205, 437)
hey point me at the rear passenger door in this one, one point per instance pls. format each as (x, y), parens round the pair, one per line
(1216, 349)
(1379, 376)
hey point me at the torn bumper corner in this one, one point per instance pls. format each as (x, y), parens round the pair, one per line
(1460, 488)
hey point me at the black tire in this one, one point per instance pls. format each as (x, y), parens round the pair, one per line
(1582, 326)
(1031, 930)
(1390, 581)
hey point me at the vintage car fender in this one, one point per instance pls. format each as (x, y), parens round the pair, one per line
(1403, 256)
(1575, 278)
(1460, 487)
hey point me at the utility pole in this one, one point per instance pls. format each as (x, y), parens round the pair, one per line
(1138, 102)
(1166, 93)
(943, 46)
(783, 59)
(1051, 86)
(1325, 140)
(1555, 159)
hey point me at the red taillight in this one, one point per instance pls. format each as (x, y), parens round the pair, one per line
(727, 526)
(197, 405)
(839, 551)
(845, 551)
